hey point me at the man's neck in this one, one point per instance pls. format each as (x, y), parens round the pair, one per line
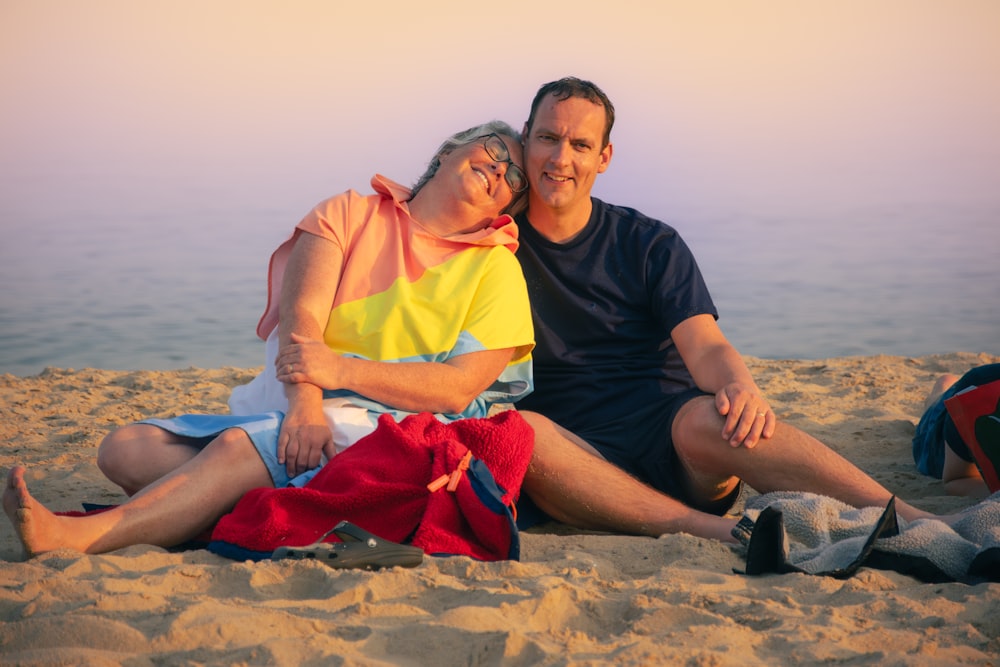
(559, 225)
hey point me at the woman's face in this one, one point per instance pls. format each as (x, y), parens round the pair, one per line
(483, 171)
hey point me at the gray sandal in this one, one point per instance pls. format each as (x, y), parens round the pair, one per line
(357, 549)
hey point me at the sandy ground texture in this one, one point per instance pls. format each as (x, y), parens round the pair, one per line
(573, 599)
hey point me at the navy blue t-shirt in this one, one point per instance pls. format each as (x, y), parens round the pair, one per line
(603, 306)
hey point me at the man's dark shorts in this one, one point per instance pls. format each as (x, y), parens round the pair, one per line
(650, 457)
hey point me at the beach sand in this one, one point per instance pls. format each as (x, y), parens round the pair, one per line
(573, 599)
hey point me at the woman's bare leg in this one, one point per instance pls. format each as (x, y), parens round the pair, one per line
(176, 508)
(135, 456)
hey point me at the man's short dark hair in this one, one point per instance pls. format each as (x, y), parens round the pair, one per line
(568, 87)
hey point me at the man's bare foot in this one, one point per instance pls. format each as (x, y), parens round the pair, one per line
(38, 528)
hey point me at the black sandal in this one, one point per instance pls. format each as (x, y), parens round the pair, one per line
(357, 549)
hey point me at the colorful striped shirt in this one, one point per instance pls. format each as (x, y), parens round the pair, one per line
(406, 294)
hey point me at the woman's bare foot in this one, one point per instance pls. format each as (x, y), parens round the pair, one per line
(38, 528)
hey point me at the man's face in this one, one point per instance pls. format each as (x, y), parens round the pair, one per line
(563, 154)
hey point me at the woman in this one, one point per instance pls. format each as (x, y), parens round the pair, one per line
(394, 302)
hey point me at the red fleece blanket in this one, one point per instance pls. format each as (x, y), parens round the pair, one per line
(381, 484)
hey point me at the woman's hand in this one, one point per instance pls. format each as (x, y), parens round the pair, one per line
(308, 360)
(305, 436)
(303, 440)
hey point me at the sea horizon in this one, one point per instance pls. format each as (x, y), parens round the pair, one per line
(161, 295)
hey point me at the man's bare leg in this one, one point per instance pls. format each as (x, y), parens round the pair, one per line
(570, 482)
(790, 460)
(135, 456)
(174, 509)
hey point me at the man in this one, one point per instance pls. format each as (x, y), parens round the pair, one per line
(647, 420)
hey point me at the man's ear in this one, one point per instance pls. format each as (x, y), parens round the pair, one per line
(606, 153)
(524, 134)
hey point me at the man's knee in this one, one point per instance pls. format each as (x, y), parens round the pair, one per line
(708, 479)
(696, 420)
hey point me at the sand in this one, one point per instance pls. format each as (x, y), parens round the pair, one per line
(575, 598)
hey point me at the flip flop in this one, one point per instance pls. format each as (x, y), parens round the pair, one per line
(357, 549)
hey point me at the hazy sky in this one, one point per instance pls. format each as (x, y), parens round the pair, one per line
(747, 102)
(153, 152)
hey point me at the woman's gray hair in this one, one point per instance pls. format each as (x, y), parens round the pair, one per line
(465, 138)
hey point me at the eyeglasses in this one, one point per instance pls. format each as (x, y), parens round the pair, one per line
(497, 150)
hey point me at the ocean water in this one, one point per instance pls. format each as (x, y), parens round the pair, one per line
(181, 282)
(880, 279)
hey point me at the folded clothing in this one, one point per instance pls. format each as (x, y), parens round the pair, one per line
(803, 532)
(381, 484)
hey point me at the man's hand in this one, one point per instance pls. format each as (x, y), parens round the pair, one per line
(748, 416)
(308, 360)
(303, 441)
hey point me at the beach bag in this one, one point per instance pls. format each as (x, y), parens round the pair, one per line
(976, 413)
(448, 489)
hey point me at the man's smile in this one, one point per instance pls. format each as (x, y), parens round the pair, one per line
(555, 178)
